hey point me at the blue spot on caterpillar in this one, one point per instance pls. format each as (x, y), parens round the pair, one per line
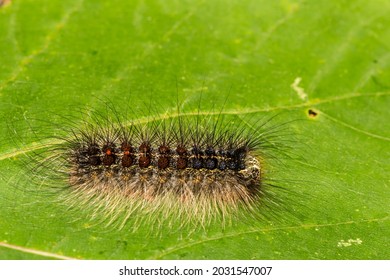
(186, 169)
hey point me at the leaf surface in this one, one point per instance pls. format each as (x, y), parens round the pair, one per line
(264, 57)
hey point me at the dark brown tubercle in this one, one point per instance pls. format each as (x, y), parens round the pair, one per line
(162, 157)
(109, 151)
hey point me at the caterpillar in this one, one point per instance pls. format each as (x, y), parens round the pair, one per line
(185, 169)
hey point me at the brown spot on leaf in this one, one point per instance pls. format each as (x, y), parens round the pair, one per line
(312, 113)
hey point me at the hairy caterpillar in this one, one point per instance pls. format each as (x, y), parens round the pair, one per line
(178, 168)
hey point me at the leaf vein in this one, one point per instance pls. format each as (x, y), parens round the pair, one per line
(28, 59)
(125, 71)
(339, 52)
(34, 251)
(355, 128)
(235, 234)
(47, 143)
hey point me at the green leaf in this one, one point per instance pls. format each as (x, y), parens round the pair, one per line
(326, 63)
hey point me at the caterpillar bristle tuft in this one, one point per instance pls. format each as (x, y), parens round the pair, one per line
(186, 170)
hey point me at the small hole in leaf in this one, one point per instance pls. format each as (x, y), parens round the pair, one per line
(312, 113)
